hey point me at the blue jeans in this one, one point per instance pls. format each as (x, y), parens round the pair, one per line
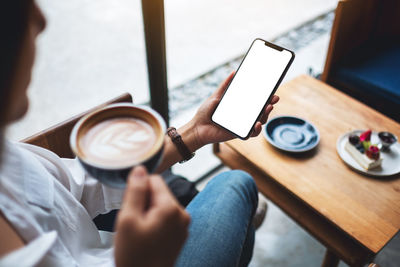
(221, 231)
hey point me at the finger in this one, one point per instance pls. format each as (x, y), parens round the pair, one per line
(221, 89)
(186, 219)
(137, 193)
(165, 203)
(274, 99)
(257, 129)
(264, 116)
(160, 192)
(268, 109)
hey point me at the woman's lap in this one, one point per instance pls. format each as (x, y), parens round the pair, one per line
(221, 233)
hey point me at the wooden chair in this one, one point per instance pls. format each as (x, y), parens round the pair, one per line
(346, 32)
(364, 36)
(56, 138)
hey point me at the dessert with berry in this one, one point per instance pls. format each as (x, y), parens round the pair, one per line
(363, 151)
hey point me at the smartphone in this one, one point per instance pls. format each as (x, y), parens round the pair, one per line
(251, 89)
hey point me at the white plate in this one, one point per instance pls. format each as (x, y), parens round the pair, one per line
(390, 163)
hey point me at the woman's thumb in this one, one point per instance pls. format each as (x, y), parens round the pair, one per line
(137, 193)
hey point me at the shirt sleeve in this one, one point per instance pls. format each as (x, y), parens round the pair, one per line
(93, 195)
(96, 197)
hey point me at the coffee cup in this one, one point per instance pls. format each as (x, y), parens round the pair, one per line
(111, 141)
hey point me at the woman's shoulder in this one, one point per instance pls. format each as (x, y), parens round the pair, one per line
(10, 240)
(14, 251)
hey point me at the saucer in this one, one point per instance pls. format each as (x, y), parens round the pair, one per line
(291, 134)
(391, 158)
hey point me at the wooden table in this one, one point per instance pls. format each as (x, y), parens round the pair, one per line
(354, 216)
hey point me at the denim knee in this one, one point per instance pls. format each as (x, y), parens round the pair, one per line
(240, 181)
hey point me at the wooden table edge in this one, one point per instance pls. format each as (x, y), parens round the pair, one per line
(331, 236)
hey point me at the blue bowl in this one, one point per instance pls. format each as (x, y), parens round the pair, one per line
(291, 134)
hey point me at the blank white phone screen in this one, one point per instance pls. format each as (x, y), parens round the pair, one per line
(251, 88)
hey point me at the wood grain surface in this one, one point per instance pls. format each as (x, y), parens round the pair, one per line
(366, 208)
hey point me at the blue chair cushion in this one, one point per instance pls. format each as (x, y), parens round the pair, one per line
(373, 69)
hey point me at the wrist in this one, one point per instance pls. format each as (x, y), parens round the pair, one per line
(190, 136)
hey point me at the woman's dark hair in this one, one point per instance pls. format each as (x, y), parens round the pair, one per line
(14, 15)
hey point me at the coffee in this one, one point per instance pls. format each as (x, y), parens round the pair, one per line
(117, 141)
(109, 142)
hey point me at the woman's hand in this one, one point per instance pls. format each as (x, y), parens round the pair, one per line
(151, 226)
(201, 130)
(208, 132)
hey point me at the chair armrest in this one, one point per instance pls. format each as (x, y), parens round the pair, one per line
(56, 138)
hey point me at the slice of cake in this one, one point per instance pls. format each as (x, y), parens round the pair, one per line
(361, 149)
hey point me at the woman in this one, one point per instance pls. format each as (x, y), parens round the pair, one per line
(47, 204)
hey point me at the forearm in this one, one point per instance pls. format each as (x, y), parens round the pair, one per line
(171, 154)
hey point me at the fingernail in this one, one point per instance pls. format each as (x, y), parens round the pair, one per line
(139, 172)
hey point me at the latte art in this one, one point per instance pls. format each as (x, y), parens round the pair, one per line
(118, 141)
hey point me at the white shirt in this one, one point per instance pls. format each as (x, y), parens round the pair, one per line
(51, 203)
